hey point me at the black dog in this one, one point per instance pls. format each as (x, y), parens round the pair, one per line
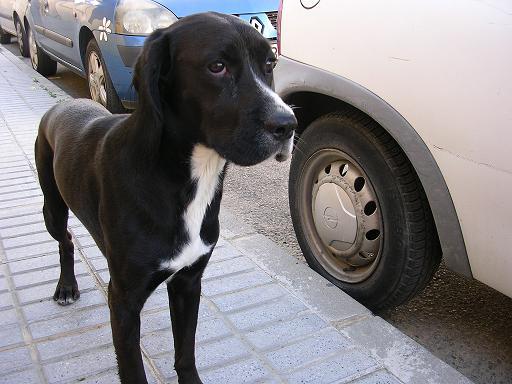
(148, 185)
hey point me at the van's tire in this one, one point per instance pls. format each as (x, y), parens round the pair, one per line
(41, 62)
(100, 85)
(383, 242)
(22, 38)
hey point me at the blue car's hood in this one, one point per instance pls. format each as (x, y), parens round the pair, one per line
(183, 8)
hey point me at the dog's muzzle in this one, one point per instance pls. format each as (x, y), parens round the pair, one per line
(282, 125)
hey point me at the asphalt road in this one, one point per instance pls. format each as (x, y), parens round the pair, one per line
(463, 322)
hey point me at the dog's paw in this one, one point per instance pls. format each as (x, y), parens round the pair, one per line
(66, 294)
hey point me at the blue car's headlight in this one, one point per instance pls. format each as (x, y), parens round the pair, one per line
(141, 17)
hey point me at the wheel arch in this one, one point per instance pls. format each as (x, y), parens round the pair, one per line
(314, 93)
(84, 36)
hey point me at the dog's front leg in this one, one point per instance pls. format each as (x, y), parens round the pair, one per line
(125, 307)
(184, 290)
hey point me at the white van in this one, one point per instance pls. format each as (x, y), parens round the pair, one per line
(405, 124)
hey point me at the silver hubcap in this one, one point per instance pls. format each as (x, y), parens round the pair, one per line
(32, 49)
(96, 78)
(344, 220)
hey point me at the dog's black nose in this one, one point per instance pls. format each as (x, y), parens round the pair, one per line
(281, 124)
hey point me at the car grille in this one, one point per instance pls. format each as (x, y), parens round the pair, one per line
(272, 16)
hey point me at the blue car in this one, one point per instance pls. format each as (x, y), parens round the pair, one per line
(100, 40)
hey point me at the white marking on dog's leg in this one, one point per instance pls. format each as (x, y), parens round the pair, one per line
(206, 166)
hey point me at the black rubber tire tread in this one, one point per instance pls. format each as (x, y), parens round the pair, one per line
(421, 250)
(114, 104)
(23, 45)
(5, 38)
(46, 66)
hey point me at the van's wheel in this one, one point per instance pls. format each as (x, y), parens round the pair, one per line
(41, 62)
(22, 39)
(359, 211)
(5, 38)
(100, 86)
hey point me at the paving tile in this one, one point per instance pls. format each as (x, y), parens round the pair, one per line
(282, 308)
(81, 366)
(14, 359)
(225, 252)
(20, 220)
(5, 300)
(10, 334)
(45, 291)
(157, 300)
(13, 212)
(91, 252)
(100, 264)
(220, 269)
(165, 364)
(161, 320)
(85, 241)
(248, 297)
(24, 377)
(8, 316)
(74, 344)
(36, 262)
(283, 332)
(348, 363)
(23, 229)
(105, 277)
(317, 346)
(49, 308)
(22, 240)
(3, 284)
(110, 377)
(80, 230)
(379, 377)
(31, 250)
(159, 342)
(44, 275)
(220, 352)
(247, 371)
(235, 282)
(5, 197)
(21, 202)
(208, 355)
(71, 321)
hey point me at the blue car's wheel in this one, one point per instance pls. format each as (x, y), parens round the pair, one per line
(41, 62)
(22, 39)
(98, 79)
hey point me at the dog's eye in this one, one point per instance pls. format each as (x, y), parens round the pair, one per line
(217, 67)
(270, 65)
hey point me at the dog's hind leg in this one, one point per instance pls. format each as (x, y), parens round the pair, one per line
(56, 212)
(184, 290)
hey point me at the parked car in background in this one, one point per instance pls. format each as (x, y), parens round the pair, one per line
(100, 40)
(12, 17)
(405, 117)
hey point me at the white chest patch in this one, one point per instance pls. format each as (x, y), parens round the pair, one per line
(206, 167)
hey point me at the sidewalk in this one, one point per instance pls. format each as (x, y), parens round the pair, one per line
(263, 317)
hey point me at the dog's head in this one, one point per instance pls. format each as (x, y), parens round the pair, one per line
(213, 73)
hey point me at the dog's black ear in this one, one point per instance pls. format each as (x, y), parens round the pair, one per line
(153, 71)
